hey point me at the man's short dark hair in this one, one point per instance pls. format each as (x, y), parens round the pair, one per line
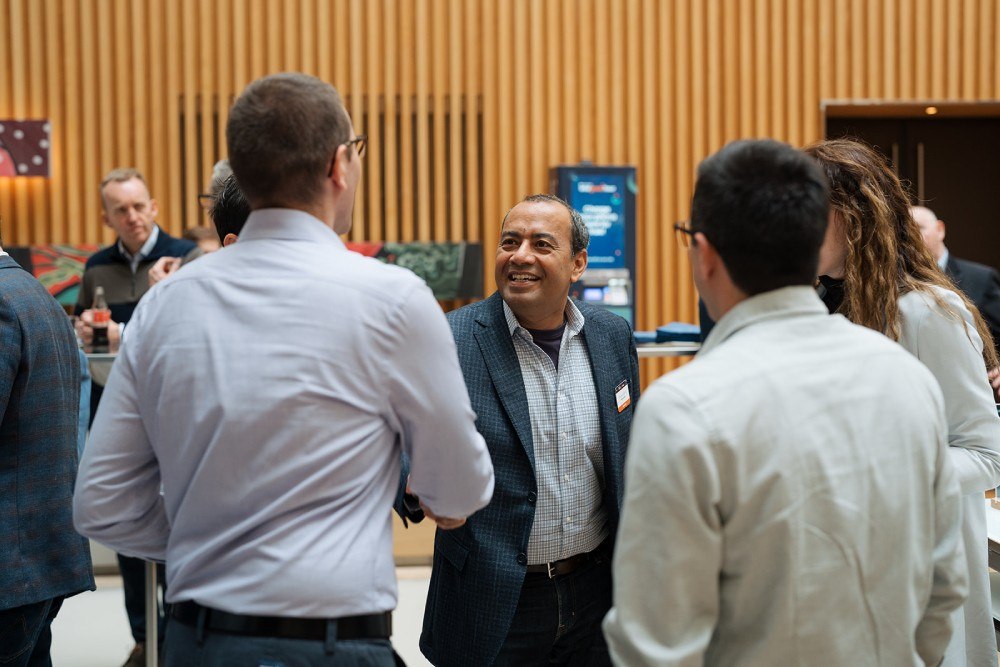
(230, 209)
(763, 205)
(579, 234)
(282, 133)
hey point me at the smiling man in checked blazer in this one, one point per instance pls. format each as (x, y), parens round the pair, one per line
(553, 382)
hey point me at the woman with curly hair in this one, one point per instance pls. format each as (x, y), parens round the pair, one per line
(876, 272)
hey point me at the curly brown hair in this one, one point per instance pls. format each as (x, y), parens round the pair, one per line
(886, 256)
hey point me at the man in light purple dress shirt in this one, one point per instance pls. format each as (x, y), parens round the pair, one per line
(251, 431)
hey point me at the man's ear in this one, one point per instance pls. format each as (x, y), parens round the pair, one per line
(337, 170)
(579, 264)
(709, 262)
(105, 219)
(229, 240)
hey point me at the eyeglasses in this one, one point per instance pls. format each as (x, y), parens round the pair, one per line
(205, 200)
(684, 233)
(361, 141)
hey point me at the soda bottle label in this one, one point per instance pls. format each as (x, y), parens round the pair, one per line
(102, 317)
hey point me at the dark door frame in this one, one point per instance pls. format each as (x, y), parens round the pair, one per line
(922, 109)
(914, 109)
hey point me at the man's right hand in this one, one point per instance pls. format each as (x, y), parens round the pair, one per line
(164, 267)
(443, 522)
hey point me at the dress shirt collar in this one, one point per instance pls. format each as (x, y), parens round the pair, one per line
(144, 251)
(943, 262)
(288, 224)
(784, 302)
(574, 320)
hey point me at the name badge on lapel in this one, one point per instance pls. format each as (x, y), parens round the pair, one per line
(622, 396)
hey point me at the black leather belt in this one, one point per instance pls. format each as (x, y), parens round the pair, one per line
(565, 566)
(371, 626)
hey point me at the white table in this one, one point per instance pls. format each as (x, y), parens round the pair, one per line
(647, 350)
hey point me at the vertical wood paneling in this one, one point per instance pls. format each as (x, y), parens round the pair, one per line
(423, 191)
(473, 78)
(439, 68)
(987, 41)
(355, 84)
(406, 145)
(73, 131)
(53, 109)
(467, 102)
(454, 187)
(373, 127)
(491, 137)
(88, 103)
(390, 72)
(19, 89)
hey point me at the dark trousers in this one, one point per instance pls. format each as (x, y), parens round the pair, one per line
(26, 634)
(133, 571)
(558, 621)
(188, 646)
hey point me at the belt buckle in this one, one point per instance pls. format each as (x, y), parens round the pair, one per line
(550, 570)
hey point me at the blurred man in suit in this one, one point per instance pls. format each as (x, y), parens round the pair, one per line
(980, 283)
(553, 382)
(42, 558)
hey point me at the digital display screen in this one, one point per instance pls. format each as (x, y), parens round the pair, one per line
(600, 200)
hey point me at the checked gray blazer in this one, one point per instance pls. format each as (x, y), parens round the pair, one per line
(480, 567)
(41, 555)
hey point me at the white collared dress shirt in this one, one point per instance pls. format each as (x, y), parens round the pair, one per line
(251, 430)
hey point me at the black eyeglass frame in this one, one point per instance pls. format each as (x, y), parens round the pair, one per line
(361, 140)
(684, 234)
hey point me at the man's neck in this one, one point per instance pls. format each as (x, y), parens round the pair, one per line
(541, 321)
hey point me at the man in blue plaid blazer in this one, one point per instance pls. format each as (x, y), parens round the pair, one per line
(42, 558)
(553, 382)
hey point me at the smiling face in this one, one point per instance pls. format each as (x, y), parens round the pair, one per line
(129, 210)
(535, 264)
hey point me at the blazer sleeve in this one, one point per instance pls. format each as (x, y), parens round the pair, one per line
(953, 351)
(10, 341)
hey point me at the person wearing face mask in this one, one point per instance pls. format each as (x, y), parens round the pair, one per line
(878, 274)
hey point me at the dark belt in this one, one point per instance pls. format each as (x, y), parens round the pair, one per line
(370, 626)
(558, 568)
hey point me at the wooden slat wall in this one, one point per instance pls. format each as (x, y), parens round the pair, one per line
(467, 102)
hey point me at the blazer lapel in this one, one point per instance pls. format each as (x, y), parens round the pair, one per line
(954, 271)
(598, 347)
(600, 350)
(497, 348)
